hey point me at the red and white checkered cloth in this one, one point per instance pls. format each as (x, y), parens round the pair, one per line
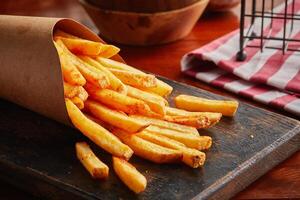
(268, 77)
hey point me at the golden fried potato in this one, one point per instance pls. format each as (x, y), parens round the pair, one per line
(155, 103)
(191, 157)
(162, 88)
(78, 102)
(194, 121)
(148, 150)
(86, 47)
(90, 161)
(90, 73)
(130, 176)
(97, 133)
(135, 79)
(114, 117)
(115, 83)
(119, 101)
(192, 103)
(69, 71)
(189, 140)
(167, 125)
(70, 91)
(213, 117)
(82, 46)
(82, 94)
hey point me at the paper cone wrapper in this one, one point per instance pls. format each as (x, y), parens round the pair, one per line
(30, 72)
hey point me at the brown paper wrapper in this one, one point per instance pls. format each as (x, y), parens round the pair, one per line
(30, 73)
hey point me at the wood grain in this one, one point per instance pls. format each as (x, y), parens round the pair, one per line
(164, 60)
(41, 159)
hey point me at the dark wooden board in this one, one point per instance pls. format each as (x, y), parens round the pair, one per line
(37, 155)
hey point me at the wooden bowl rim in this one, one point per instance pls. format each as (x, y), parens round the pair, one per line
(204, 2)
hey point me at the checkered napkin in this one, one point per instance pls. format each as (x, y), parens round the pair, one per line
(269, 77)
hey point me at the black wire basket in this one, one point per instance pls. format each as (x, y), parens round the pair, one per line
(247, 32)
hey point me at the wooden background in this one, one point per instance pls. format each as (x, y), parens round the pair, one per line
(281, 182)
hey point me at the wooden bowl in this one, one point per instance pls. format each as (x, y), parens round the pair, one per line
(222, 5)
(142, 6)
(144, 29)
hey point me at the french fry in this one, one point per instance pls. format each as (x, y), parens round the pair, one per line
(155, 103)
(189, 140)
(86, 47)
(160, 140)
(115, 83)
(59, 33)
(82, 94)
(192, 103)
(119, 101)
(78, 102)
(69, 70)
(148, 150)
(135, 79)
(130, 176)
(162, 89)
(158, 96)
(112, 64)
(90, 161)
(114, 118)
(89, 72)
(108, 51)
(191, 157)
(212, 116)
(82, 46)
(194, 121)
(167, 125)
(97, 133)
(100, 122)
(70, 91)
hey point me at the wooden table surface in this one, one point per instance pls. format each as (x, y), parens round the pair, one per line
(281, 182)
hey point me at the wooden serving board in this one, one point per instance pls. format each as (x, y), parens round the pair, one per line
(38, 155)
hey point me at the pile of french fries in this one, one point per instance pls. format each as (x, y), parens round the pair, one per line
(124, 111)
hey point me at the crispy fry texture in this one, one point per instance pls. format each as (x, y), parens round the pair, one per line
(86, 47)
(135, 79)
(148, 150)
(161, 89)
(125, 111)
(97, 133)
(166, 125)
(78, 102)
(114, 117)
(192, 103)
(88, 72)
(70, 90)
(213, 117)
(157, 104)
(115, 83)
(70, 73)
(194, 121)
(129, 175)
(190, 157)
(192, 141)
(82, 46)
(90, 161)
(119, 101)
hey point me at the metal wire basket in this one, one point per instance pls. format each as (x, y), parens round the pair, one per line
(247, 32)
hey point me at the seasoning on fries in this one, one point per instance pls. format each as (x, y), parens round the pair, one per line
(129, 175)
(148, 150)
(124, 111)
(90, 161)
(192, 103)
(97, 133)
